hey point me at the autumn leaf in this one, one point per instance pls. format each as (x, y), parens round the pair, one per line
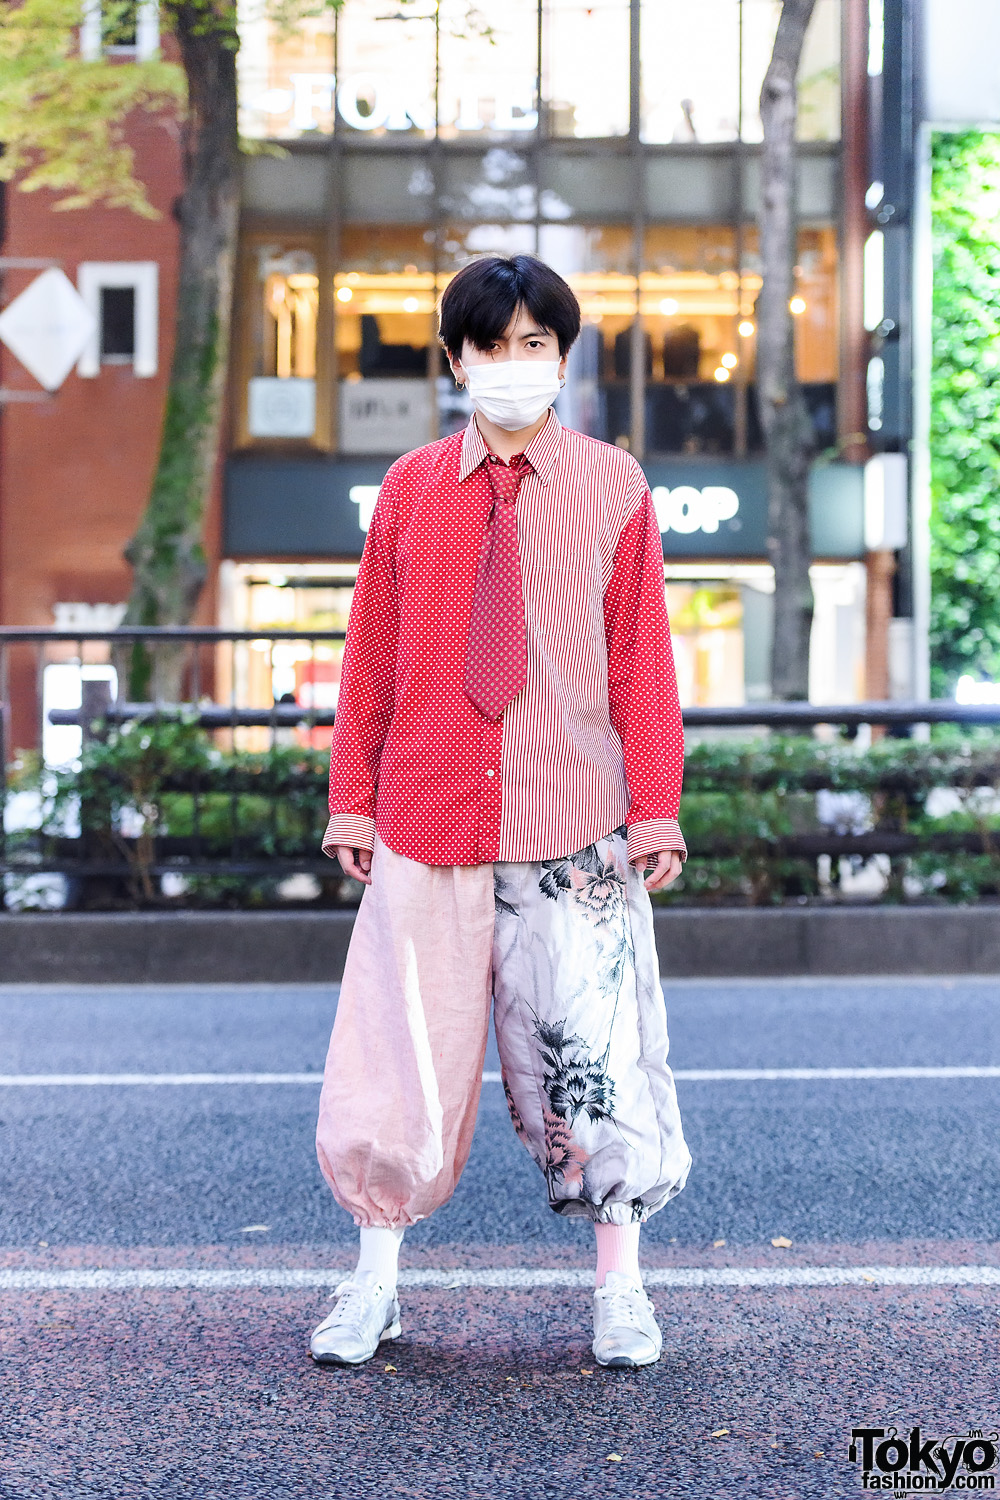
(614, 1458)
(721, 1432)
(781, 1242)
(717, 1243)
(390, 1369)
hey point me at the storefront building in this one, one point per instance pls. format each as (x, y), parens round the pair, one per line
(620, 142)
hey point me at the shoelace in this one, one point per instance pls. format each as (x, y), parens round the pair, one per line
(347, 1296)
(621, 1308)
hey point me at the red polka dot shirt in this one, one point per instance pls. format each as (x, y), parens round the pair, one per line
(593, 741)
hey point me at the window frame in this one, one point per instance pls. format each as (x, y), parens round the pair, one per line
(247, 291)
(92, 277)
(147, 33)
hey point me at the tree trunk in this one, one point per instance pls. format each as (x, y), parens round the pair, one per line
(166, 551)
(788, 432)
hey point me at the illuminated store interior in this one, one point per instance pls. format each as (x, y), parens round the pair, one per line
(618, 140)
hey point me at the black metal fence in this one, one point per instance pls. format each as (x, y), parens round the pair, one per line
(211, 788)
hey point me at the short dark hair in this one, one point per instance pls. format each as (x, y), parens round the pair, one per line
(479, 303)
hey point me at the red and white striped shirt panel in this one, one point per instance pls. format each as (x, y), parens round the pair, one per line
(594, 740)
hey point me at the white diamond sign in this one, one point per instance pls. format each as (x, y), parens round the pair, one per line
(47, 326)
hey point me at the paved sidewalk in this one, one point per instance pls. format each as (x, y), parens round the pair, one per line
(189, 1394)
(165, 1249)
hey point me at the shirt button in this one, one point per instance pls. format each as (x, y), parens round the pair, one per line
(489, 773)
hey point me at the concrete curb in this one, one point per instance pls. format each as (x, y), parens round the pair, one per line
(304, 947)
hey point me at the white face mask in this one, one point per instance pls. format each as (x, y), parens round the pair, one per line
(515, 392)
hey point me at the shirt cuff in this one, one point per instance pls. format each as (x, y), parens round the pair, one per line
(352, 829)
(655, 835)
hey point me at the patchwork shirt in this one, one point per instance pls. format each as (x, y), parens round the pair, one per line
(593, 741)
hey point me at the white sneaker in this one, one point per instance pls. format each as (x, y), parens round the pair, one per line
(365, 1314)
(625, 1332)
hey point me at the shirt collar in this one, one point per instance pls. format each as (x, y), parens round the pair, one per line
(541, 452)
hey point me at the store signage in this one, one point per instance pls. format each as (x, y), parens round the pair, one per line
(364, 497)
(318, 506)
(47, 327)
(281, 407)
(683, 509)
(73, 614)
(376, 101)
(384, 416)
(686, 509)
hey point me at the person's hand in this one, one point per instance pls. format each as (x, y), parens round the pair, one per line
(355, 862)
(666, 870)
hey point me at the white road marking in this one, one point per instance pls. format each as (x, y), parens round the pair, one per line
(682, 1075)
(129, 1080)
(512, 1278)
(754, 1075)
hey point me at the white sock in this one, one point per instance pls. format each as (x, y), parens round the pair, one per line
(617, 1250)
(379, 1253)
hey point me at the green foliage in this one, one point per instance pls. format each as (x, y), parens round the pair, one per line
(62, 117)
(965, 408)
(741, 799)
(164, 795)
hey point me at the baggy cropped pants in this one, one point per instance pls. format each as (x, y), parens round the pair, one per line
(565, 947)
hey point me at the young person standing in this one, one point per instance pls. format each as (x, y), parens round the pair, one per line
(505, 781)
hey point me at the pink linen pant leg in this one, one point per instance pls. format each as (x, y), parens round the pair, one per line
(404, 1067)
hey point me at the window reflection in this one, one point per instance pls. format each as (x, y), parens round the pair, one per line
(698, 334)
(585, 78)
(497, 185)
(385, 58)
(690, 57)
(385, 306)
(699, 329)
(286, 78)
(819, 75)
(281, 392)
(706, 627)
(703, 67)
(488, 57)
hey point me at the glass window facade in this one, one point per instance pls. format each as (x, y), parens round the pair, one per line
(618, 139)
(664, 363)
(518, 69)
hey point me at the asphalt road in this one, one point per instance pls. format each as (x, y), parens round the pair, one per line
(171, 1390)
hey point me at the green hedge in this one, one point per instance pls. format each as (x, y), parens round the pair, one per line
(965, 409)
(751, 815)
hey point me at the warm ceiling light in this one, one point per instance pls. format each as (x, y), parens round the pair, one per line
(410, 304)
(746, 329)
(797, 305)
(669, 306)
(344, 294)
(721, 374)
(729, 361)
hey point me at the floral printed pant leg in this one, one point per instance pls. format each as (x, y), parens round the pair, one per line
(582, 1032)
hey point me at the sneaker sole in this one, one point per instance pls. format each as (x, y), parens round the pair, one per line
(392, 1332)
(624, 1362)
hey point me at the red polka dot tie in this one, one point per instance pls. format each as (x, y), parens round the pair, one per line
(496, 660)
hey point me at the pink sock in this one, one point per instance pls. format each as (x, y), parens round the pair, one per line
(617, 1250)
